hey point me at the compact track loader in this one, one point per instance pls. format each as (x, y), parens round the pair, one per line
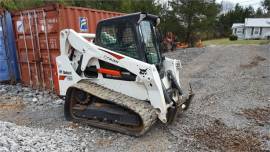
(120, 81)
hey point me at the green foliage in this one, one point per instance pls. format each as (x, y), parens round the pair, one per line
(237, 15)
(259, 13)
(266, 5)
(126, 6)
(8, 4)
(97, 4)
(233, 38)
(170, 23)
(22, 4)
(197, 17)
(189, 20)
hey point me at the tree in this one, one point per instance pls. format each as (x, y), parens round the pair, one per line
(237, 15)
(170, 23)
(110, 5)
(196, 15)
(126, 6)
(266, 5)
(249, 11)
(226, 6)
(259, 13)
(22, 4)
(208, 24)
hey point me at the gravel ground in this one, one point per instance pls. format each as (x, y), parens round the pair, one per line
(230, 111)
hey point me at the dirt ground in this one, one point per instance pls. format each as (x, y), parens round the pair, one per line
(230, 110)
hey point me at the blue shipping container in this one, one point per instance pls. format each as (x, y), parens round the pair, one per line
(8, 58)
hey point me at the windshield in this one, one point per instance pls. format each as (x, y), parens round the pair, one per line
(149, 40)
(119, 38)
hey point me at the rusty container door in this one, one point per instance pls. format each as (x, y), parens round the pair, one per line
(27, 53)
(35, 49)
(37, 39)
(48, 29)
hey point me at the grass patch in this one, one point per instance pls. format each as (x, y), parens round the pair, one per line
(226, 41)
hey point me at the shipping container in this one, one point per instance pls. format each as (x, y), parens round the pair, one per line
(37, 38)
(8, 59)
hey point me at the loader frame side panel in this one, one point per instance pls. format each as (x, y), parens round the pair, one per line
(148, 85)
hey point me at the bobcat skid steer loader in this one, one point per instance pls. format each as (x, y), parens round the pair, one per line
(119, 81)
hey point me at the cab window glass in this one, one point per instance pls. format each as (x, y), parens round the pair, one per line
(119, 38)
(149, 41)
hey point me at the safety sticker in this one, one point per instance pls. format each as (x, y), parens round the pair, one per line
(20, 27)
(83, 24)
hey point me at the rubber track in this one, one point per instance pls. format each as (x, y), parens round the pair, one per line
(142, 108)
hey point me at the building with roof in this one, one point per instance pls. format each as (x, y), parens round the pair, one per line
(253, 28)
(238, 29)
(257, 28)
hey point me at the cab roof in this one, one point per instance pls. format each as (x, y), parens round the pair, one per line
(134, 18)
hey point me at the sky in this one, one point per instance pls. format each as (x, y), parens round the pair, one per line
(254, 3)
